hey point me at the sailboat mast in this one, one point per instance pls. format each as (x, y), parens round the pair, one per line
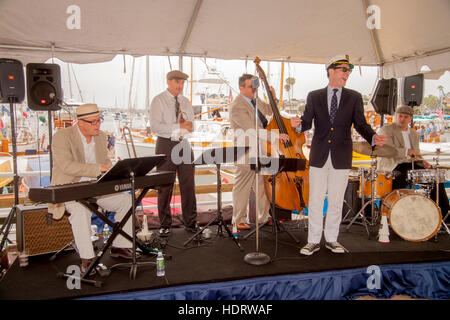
(147, 82)
(70, 81)
(130, 107)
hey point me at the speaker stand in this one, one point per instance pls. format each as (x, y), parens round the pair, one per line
(12, 214)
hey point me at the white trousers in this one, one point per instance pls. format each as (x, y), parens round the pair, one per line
(80, 220)
(321, 181)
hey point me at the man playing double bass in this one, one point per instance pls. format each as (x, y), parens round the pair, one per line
(334, 109)
(242, 120)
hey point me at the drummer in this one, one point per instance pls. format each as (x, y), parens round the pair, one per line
(406, 140)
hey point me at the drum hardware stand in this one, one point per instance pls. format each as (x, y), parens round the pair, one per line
(360, 213)
(219, 156)
(436, 159)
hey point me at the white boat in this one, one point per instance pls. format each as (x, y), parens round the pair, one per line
(207, 134)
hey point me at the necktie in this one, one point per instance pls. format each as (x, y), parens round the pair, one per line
(261, 117)
(333, 108)
(177, 108)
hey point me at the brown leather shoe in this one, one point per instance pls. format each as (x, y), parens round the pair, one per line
(85, 263)
(125, 253)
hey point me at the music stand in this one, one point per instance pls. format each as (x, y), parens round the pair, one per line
(219, 156)
(284, 165)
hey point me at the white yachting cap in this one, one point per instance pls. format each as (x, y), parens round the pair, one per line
(339, 59)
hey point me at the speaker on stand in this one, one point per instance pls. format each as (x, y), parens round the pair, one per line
(44, 92)
(12, 90)
(384, 99)
(412, 90)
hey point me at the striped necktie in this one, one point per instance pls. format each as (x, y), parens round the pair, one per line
(333, 108)
(177, 108)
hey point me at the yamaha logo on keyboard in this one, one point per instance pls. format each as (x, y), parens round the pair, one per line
(121, 187)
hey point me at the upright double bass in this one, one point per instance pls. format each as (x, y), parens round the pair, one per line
(291, 187)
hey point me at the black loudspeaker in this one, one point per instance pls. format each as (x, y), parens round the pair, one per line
(12, 84)
(384, 99)
(44, 91)
(412, 90)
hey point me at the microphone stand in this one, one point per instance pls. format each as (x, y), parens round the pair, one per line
(257, 258)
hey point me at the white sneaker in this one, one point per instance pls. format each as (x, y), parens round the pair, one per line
(164, 232)
(335, 247)
(310, 248)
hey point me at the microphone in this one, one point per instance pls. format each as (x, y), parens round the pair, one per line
(255, 82)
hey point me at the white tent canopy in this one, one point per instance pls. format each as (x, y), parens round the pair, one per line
(410, 33)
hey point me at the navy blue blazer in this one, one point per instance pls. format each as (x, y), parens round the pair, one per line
(336, 137)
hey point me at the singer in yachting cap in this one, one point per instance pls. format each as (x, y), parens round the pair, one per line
(80, 154)
(334, 110)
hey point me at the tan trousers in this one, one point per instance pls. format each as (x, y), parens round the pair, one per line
(80, 219)
(245, 181)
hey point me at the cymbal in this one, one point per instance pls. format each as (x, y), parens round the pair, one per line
(366, 149)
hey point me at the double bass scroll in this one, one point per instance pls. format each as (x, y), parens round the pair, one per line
(291, 187)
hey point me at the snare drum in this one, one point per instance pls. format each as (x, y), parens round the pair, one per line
(382, 186)
(425, 176)
(411, 215)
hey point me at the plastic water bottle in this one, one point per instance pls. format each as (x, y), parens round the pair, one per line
(105, 232)
(235, 232)
(160, 267)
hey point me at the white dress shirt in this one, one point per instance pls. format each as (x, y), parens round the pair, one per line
(407, 141)
(89, 153)
(162, 115)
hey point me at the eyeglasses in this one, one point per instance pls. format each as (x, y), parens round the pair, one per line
(344, 69)
(93, 122)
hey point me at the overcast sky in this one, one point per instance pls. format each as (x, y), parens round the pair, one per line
(108, 82)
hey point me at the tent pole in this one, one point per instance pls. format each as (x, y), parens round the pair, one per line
(375, 43)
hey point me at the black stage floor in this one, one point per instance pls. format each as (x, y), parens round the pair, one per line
(219, 259)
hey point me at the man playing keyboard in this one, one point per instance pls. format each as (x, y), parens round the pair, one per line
(80, 154)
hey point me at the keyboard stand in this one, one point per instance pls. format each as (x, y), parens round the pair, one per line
(116, 230)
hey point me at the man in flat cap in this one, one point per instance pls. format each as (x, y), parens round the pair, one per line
(406, 140)
(80, 154)
(334, 109)
(171, 120)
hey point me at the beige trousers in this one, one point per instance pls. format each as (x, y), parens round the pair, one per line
(245, 181)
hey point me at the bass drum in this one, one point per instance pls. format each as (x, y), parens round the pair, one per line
(412, 216)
